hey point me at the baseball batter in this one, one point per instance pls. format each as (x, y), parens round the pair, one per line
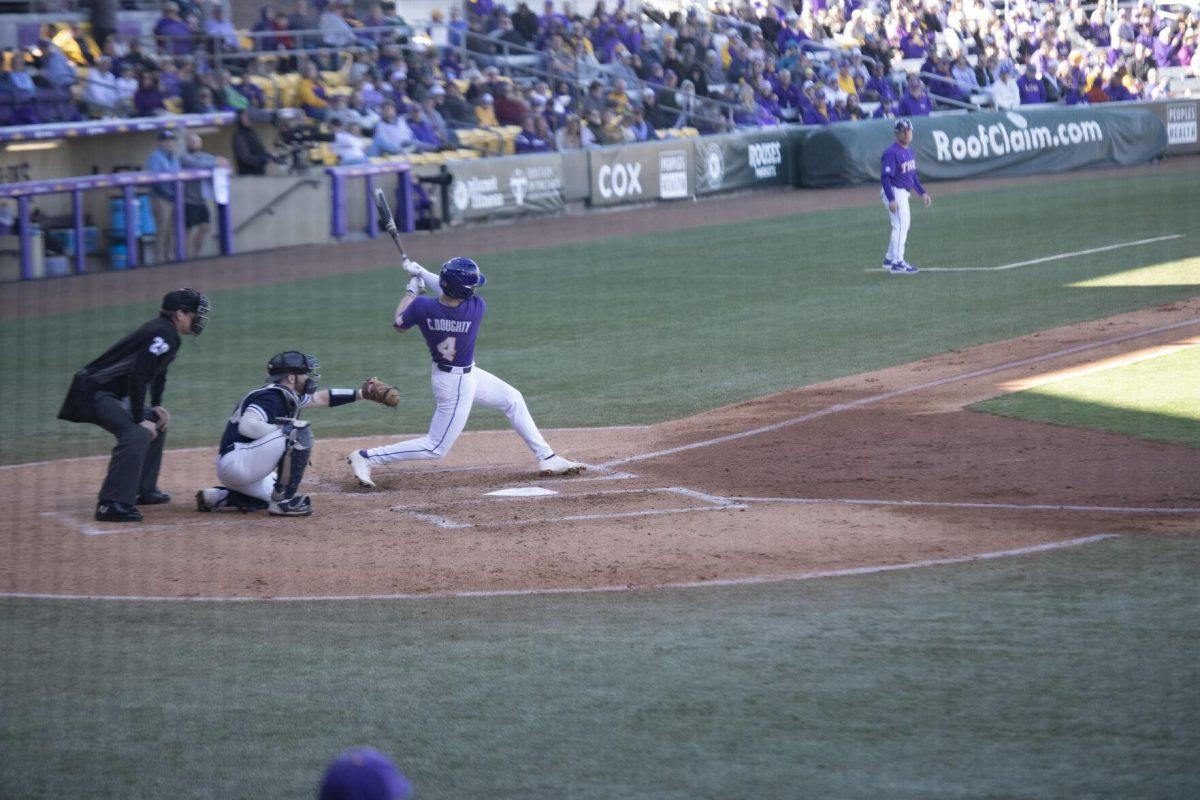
(898, 174)
(450, 322)
(266, 446)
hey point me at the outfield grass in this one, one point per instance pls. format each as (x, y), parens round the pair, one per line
(649, 328)
(1156, 399)
(1059, 675)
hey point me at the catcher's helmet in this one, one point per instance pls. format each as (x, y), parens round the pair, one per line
(460, 278)
(191, 301)
(293, 362)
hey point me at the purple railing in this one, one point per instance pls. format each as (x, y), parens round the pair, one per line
(404, 213)
(128, 182)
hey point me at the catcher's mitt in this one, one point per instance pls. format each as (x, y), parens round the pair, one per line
(380, 392)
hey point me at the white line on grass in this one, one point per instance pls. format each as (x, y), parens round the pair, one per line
(761, 579)
(1044, 259)
(877, 398)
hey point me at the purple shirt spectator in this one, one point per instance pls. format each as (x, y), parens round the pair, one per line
(914, 106)
(148, 101)
(1031, 89)
(180, 41)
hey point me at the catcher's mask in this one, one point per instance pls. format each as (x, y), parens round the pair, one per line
(293, 362)
(191, 301)
(460, 278)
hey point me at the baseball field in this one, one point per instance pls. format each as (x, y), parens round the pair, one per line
(844, 534)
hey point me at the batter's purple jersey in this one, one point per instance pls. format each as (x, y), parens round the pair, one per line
(449, 332)
(899, 171)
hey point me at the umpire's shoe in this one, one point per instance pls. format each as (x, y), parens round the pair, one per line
(155, 498)
(112, 511)
(298, 506)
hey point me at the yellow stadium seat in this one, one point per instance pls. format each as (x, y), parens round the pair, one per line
(173, 104)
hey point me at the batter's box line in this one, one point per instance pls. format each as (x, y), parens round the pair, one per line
(843, 501)
(716, 504)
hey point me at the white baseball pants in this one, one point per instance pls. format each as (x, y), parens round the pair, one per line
(454, 394)
(900, 219)
(249, 467)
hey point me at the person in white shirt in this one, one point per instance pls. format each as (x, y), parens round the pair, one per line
(348, 145)
(127, 86)
(100, 92)
(1004, 91)
(392, 134)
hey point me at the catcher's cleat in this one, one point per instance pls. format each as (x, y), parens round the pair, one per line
(557, 465)
(212, 499)
(298, 506)
(155, 498)
(361, 468)
(111, 511)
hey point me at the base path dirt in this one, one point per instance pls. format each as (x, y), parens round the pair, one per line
(884, 468)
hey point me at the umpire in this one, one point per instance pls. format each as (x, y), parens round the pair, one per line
(111, 392)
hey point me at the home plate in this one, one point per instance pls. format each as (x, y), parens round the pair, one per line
(522, 491)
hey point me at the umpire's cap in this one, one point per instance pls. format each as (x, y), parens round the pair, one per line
(364, 774)
(191, 301)
(903, 125)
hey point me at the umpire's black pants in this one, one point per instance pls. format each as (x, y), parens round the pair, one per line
(133, 467)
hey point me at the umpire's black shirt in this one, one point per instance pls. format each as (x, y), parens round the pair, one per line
(135, 363)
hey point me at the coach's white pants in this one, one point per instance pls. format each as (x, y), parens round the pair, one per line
(249, 468)
(455, 394)
(900, 218)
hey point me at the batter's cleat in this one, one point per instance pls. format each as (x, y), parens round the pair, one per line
(298, 506)
(110, 511)
(557, 465)
(361, 468)
(212, 499)
(903, 268)
(155, 498)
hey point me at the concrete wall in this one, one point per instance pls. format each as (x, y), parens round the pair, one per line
(302, 216)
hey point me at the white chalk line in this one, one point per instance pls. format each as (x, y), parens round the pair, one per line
(878, 398)
(815, 501)
(1045, 259)
(700, 584)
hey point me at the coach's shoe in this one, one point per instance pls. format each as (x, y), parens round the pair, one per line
(155, 498)
(557, 465)
(111, 511)
(212, 499)
(887, 265)
(903, 268)
(298, 506)
(361, 468)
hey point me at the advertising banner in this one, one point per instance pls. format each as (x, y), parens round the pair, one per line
(1024, 142)
(491, 187)
(641, 172)
(742, 160)
(1180, 118)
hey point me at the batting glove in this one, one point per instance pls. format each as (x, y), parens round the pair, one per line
(416, 285)
(412, 268)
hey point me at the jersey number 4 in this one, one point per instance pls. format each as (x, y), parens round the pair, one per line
(448, 348)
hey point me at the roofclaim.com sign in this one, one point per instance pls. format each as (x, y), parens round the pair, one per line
(1014, 135)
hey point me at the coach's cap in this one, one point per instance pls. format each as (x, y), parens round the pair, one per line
(903, 125)
(364, 774)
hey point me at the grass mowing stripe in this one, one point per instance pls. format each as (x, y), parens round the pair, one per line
(641, 329)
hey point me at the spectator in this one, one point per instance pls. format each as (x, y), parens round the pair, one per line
(964, 76)
(127, 86)
(574, 135)
(528, 140)
(363, 774)
(1030, 87)
(914, 103)
(56, 69)
(510, 108)
(162, 195)
(100, 91)
(20, 81)
(249, 154)
(639, 129)
(302, 19)
(335, 30)
(425, 138)
(432, 114)
(455, 108)
(392, 134)
(311, 92)
(197, 194)
(485, 112)
(172, 32)
(348, 144)
(1116, 90)
(1095, 90)
(1005, 93)
(223, 34)
(655, 115)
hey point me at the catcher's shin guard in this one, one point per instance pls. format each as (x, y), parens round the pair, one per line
(294, 461)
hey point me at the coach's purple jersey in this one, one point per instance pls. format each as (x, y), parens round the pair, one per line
(899, 171)
(449, 332)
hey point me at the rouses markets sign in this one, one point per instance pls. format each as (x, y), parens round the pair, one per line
(742, 161)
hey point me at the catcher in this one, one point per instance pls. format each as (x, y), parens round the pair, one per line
(266, 446)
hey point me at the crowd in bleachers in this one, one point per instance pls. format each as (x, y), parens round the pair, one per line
(501, 78)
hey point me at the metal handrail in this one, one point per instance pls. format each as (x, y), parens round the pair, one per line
(947, 100)
(269, 208)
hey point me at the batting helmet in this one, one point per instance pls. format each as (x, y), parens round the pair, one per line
(191, 301)
(293, 362)
(460, 278)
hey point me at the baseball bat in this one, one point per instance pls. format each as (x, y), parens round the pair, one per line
(388, 222)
